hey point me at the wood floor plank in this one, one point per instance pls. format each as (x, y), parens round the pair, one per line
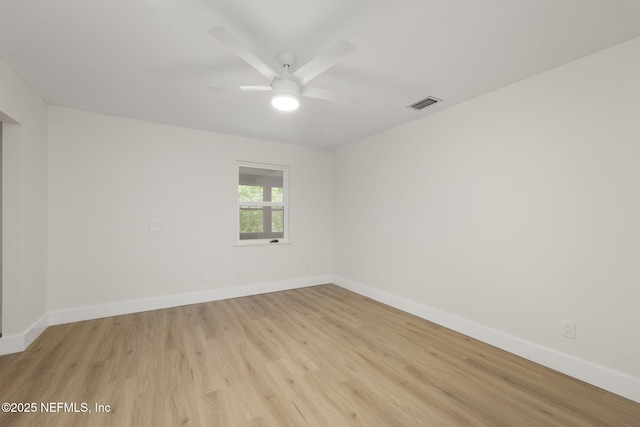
(317, 356)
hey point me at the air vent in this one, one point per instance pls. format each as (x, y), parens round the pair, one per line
(430, 100)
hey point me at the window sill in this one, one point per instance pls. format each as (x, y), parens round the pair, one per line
(261, 243)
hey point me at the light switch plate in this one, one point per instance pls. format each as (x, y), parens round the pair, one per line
(569, 329)
(156, 226)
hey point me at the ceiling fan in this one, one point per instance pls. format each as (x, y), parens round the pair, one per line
(287, 86)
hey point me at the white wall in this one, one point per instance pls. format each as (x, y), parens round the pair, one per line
(24, 191)
(109, 177)
(512, 211)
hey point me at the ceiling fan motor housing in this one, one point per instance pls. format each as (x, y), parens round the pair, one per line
(287, 86)
(285, 95)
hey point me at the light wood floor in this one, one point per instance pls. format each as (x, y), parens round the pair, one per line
(319, 356)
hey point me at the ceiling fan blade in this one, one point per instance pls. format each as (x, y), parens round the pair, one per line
(327, 95)
(324, 61)
(239, 49)
(240, 88)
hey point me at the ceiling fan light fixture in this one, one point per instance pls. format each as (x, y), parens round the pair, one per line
(286, 95)
(285, 102)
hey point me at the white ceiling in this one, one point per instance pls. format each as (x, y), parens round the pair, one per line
(154, 59)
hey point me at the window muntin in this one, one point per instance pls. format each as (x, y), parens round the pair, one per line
(262, 204)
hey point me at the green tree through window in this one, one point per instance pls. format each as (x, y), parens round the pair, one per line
(261, 200)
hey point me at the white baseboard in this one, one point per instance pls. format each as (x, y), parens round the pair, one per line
(17, 343)
(591, 373)
(136, 306)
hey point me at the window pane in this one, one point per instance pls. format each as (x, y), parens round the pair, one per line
(250, 193)
(251, 219)
(277, 220)
(277, 195)
(259, 188)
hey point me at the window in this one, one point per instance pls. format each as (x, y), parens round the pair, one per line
(262, 203)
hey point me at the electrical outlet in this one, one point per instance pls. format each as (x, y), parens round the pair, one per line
(236, 274)
(569, 329)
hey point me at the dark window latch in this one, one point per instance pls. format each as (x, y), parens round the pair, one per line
(274, 241)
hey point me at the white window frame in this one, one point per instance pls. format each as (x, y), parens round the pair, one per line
(285, 205)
